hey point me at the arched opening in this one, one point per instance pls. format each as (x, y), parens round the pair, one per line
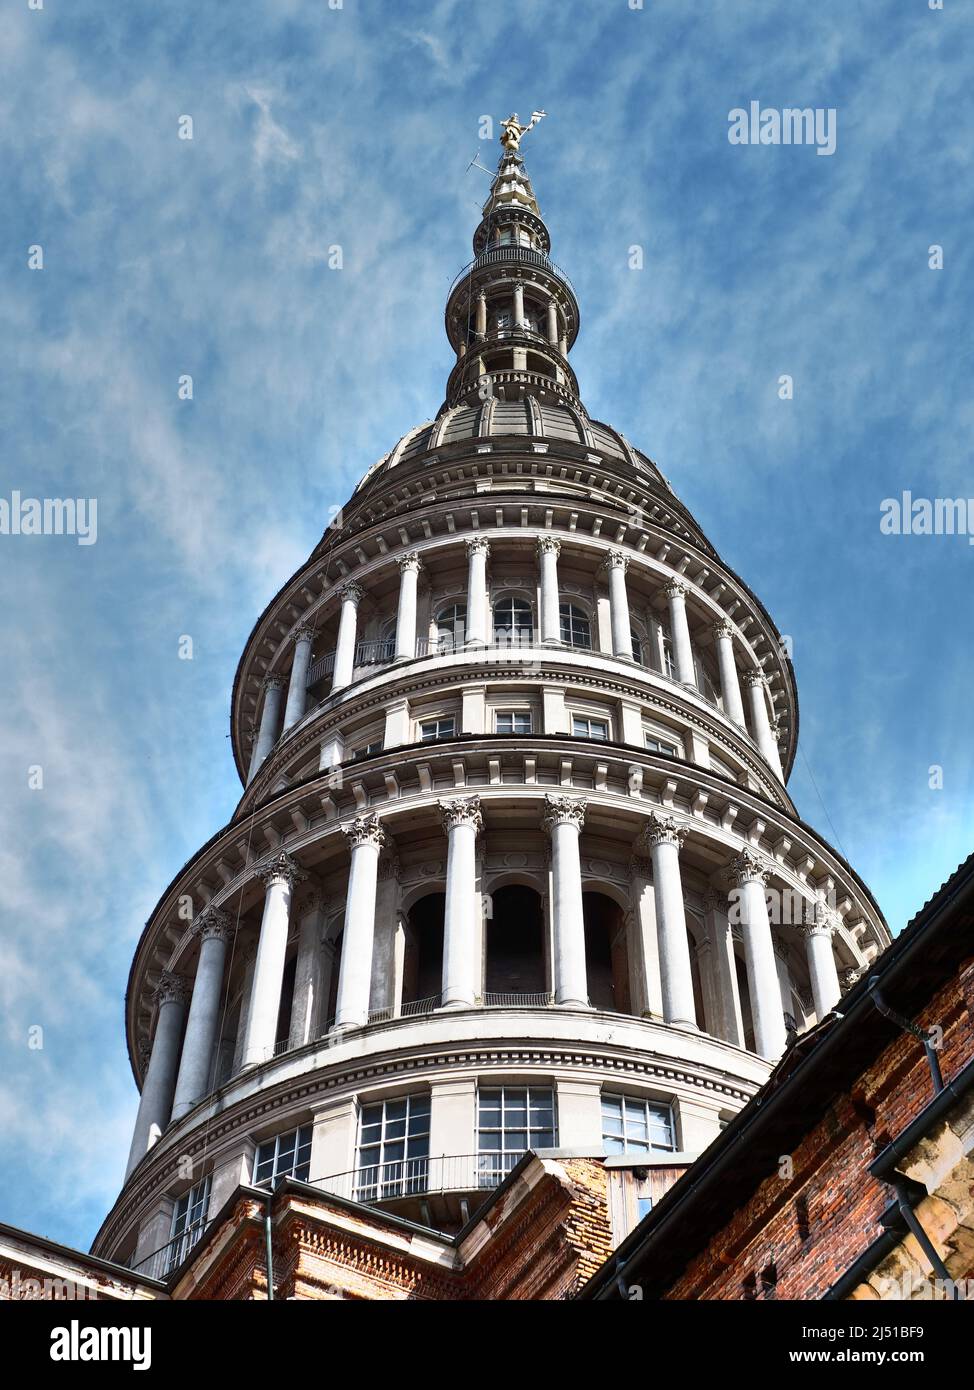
(513, 623)
(745, 997)
(287, 998)
(515, 944)
(334, 948)
(422, 978)
(700, 1012)
(606, 953)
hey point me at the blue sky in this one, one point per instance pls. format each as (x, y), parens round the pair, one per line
(313, 127)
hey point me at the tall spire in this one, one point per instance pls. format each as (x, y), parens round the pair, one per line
(511, 314)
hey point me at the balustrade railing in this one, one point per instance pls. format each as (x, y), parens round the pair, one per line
(407, 1177)
(518, 255)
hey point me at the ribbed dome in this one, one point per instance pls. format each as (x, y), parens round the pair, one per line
(521, 420)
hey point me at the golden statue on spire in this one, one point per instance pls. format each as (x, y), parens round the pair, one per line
(511, 138)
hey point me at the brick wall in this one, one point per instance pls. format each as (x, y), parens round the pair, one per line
(803, 1228)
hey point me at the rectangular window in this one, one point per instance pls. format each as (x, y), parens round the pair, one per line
(644, 1205)
(666, 655)
(633, 1125)
(660, 745)
(369, 749)
(188, 1223)
(514, 721)
(589, 728)
(511, 1120)
(285, 1156)
(432, 729)
(393, 1148)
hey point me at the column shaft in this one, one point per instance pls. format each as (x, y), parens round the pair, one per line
(762, 972)
(270, 718)
(664, 838)
(297, 690)
(366, 838)
(279, 878)
(462, 821)
(757, 684)
(477, 552)
(619, 605)
(548, 550)
(676, 594)
(215, 931)
(730, 684)
(406, 616)
(155, 1103)
(350, 596)
(826, 991)
(563, 819)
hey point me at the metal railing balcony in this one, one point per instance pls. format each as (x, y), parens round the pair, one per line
(409, 1177)
(518, 1001)
(516, 255)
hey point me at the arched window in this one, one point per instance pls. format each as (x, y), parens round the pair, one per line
(423, 957)
(451, 626)
(513, 624)
(576, 630)
(606, 953)
(637, 648)
(515, 947)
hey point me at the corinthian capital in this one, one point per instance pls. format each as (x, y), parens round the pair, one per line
(365, 830)
(563, 810)
(755, 677)
(305, 632)
(173, 989)
(723, 627)
(409, 561)
(478, 545)
(750, 867)
(676, 589)
(272, 682)
(662, 830)
(616, 560)
(549, 545)
(351, 593)
(213, 922)
(461, 810)
(281, 869)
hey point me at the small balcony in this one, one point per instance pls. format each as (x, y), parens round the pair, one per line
(514, 255)
(442, 1190)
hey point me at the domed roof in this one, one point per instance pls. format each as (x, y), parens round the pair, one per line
(526, 419)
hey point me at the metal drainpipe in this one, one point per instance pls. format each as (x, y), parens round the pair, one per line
(268, 1241)
(906, 1026)
(902, 1185)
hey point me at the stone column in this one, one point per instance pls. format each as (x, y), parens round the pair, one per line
(664, 838)
(762, 974)
(518, 304)
(351, 596)
(462, 822)
(549, 548)
(279, 878)
(409, 568)
(481, 320)
(617, 563)
(270, 718)
(552, 322)
(155, 1103)
(757, 683)
(215, 932)
(730, 685)
(730, 1017)
(563, 820)
(297, 690)
(676, 594)
(826, 991)
(477, 551)
(366, 838)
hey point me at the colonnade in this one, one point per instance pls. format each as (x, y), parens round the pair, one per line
(177, 1077)
(477, 634)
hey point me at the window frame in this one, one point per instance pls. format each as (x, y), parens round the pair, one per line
(291, 1170)
(573, 609)
(639, 1146)
(514, 714)
(495, 1162)
(406, 1173)
(591, 719)
(191, 1210)
(437, 720)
